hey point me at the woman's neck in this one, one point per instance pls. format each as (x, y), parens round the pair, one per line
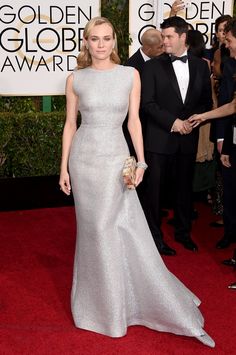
(102, 65)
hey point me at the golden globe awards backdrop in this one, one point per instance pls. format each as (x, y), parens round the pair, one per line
(200, 13)
(39, 43)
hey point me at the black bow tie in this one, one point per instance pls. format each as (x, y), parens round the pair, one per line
(183, 59)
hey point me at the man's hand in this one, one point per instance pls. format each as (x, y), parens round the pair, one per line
(187, 126)
(182, 127)
(225, 160)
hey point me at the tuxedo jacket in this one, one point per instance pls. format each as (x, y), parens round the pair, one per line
(226, 93)
(228, 146)
(136, 61)
(162, 103)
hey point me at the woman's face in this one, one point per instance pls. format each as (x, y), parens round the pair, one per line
(100, 42)
(221, 32)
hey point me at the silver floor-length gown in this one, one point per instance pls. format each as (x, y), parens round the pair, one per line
(119, 277)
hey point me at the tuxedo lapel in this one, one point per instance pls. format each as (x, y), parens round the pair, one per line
(192, 79)
(171, 75)
(136, 61)
(173, 80)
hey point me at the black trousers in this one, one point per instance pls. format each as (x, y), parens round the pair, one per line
(175, 173)
(229, 197)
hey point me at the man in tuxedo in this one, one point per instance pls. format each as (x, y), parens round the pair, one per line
(174, 86)
(152, 46)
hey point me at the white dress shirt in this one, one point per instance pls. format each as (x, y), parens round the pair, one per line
(182, 74)
(145, 57)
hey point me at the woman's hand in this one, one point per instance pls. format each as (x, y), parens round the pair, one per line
(64, 182)
(139, 176)
(196, 119)
(177, 6)
(129, 183)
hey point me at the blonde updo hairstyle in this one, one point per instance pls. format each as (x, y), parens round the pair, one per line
(84, 59)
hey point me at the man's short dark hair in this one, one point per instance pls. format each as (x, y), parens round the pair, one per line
(231, 26)
(220, 20)
(179, 24)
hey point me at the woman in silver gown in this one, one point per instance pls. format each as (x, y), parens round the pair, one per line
(119, 277)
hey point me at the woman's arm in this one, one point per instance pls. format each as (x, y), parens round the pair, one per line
(217, 63)
(213, 89)
(68, 133)
(222, 111)
(134, 124)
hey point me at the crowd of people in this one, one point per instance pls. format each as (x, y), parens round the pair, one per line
(220, 59)
(119, 277)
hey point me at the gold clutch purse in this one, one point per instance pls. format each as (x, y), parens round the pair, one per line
(128, 172)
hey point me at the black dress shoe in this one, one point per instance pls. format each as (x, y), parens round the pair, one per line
(187, 243)
(229, 262)
(164, 249)
(223, 243)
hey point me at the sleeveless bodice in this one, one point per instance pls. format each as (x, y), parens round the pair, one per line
(103, 95)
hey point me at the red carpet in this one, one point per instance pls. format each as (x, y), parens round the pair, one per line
(36, 258)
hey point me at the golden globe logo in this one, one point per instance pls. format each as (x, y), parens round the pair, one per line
(37, 39)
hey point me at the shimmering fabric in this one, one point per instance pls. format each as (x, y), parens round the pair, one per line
(119, 277)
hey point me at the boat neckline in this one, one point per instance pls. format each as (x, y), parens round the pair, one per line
(104, 70)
